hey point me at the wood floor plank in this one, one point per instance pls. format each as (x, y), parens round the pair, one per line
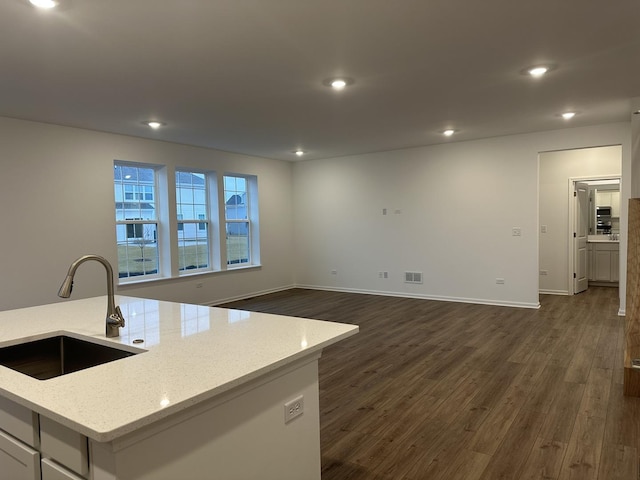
(545, 460)
(582, 460)
(467, 465)
(596, 396)
(607, 348)
(580, 365)
(498, 423)
(623, 419)
(619, 462)
(562, 413)
(511, 457)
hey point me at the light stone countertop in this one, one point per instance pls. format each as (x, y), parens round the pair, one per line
(193, 353)
(601, 239)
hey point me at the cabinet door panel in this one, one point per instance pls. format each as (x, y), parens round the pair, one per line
(52, 471)
(19, 422)
(603, 265)
(64, 445)
(18, 461)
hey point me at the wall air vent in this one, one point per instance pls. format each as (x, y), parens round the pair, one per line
(412, 277)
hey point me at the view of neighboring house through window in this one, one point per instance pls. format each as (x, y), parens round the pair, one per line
(238, 226)
(192, 207)
(136, 220)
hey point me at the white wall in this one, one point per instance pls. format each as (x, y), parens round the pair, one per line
(458, 204)
(56, 192)
(556, 168)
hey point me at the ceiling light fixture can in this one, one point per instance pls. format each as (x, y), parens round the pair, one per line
(338, 83)
(568, 115)
(154, 124)
(46, 4)
(448, 132)
(537, 71)
(299, 152)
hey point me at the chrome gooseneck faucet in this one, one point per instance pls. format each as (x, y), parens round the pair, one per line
(114, 315)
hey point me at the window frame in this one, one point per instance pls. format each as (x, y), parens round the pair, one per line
(252, 221)
(208, 223)
(137, 224)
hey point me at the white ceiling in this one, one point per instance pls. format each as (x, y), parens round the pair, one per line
(246, 75)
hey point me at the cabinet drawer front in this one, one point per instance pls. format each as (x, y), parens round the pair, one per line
(64, 445)
(19, 422)
(52, 471)
(18, 461)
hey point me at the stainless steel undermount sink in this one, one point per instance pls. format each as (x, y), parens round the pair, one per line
(55, 356)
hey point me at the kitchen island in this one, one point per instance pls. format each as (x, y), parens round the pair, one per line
(204, 398)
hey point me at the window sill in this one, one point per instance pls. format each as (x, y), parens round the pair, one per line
(148, 281)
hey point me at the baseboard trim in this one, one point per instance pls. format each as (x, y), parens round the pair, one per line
(553, 292)
(249, 295)
(439, 298)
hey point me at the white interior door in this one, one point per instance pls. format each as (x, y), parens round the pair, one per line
(581, 229)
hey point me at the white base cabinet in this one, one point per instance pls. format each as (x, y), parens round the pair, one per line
(604, 262)
(237, 435)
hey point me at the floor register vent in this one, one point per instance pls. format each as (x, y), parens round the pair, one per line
(412, 277)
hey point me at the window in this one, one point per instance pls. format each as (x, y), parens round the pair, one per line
(136, 220)
(192, 206)
(159, 238)
(237, 224)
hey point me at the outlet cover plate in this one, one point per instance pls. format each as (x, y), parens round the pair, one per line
(293, 408)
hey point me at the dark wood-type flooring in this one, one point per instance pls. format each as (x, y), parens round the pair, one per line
(439, 390)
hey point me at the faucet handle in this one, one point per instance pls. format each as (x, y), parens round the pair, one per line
(117, 318)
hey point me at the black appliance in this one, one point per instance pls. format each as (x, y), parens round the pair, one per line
(603, 220)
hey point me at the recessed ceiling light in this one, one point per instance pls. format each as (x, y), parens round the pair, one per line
(154, 124)
(537, 71)
(338, 83)
(46, 4)
(568, 115)
(448, 132)
(299, 152)
(637, 112)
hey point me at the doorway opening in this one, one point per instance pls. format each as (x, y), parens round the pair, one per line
(558, 257)
(594, 232)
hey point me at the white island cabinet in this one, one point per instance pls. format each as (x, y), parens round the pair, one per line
(205, 398)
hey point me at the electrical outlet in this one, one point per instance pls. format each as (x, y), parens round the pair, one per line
(334, 272)
(544, 272)
(500, 281)
(516, 231)
(293, 408)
